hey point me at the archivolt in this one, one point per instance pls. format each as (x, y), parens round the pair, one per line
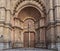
(34, 3)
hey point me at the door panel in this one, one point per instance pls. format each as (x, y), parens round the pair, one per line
(32, 39)
(27, 42)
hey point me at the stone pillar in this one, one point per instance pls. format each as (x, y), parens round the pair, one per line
(2, 16)
(3, 25)
(37, 39)
(2, 20)
(17, 37)
(7, 28)
(57, 22)
(42, 32)
(50, 25)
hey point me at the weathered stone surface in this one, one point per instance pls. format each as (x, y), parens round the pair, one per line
(42, 17)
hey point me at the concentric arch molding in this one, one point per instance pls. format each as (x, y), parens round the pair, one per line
(20, 5)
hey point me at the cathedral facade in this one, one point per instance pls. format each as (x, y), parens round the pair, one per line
(29, 24)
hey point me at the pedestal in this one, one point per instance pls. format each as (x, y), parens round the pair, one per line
(1, 45)
(41, 45)
(6, 45)
(38, 45)
(58, 46)
(52, 46)
(18, 45)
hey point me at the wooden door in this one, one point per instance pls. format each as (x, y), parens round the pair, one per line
(32, 39)
(29, 41)
(26, 40)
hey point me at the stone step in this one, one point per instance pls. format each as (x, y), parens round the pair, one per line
(27, 49)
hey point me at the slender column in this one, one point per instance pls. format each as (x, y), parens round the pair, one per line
(57, 10)
(29, 33)
(51, 25)
(57, 22)
(2, 15)
(8, 11)
(2, 3)
(50, 12)
(8, 18)
(2, 18)
(37, 34)
(7, 28)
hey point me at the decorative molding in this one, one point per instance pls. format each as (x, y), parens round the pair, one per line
(56, 6)
(6, 10)
(50, 24)
(37, 1)
(17, 27)
(18, 19)
(50, 10)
